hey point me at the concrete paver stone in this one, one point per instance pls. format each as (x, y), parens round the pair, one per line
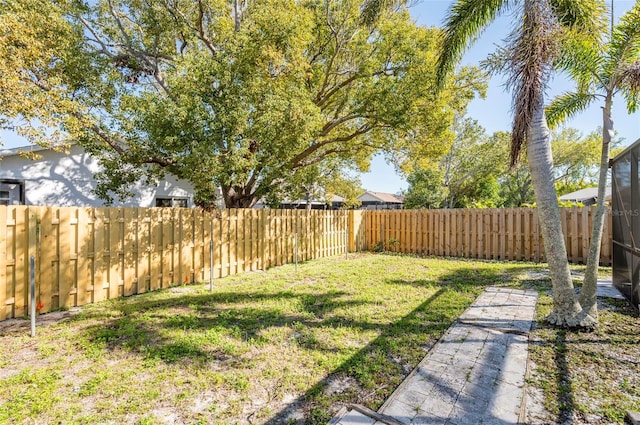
(356, 418)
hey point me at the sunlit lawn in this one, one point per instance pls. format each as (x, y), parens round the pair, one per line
(271, 347)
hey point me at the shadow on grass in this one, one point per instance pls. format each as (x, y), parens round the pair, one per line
(378, 367)
(374, 367)
(189, 328)
(144, 325)
(563, 379)
(577, 366)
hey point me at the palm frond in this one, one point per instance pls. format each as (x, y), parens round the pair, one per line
(625, 41)
(534, 49)
(372, 9)
(465, 20)
(630, 85)
(497, 62)
(580, 57)
(589, 16)
(566, 106)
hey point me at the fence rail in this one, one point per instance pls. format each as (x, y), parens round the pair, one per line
(85, 255)
(505, 234)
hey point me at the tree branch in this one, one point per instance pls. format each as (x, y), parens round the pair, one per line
(321, 100)
(297, 161)
(144, 57)
(336, 122)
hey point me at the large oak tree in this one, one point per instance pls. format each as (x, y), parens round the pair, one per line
(252, 97)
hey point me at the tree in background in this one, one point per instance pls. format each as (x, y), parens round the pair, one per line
(320, 183)
(466, 176)
(470, 172)
(250, 97)
(575, 159)
(475, 173)
(426, 188)
(600, 70)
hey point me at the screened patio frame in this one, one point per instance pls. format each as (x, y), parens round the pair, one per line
(625, 211)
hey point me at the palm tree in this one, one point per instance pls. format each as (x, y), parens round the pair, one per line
(533, 49)
(600, 70)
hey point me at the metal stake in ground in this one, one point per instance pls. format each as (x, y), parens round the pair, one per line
(32, 276)
(295, 240)
(211, 257)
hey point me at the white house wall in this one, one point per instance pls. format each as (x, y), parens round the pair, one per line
(62, 179)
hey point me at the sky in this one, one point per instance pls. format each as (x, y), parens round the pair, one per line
(494, 112)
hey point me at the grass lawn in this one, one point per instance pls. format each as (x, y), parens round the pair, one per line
(271, 347)
(292, 347)
(587, 377)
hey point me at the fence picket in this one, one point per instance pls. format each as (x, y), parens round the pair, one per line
(197, 245)
(86, 256)
(21, 261)
(130, 251)
(584, 239)
(155, 246)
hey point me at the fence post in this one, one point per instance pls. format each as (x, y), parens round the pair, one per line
(351, 228)
(347, 235)
(33, 217)
(3, 260)
(295, 248)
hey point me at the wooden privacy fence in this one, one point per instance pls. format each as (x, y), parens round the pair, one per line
(505, 234)
(85, 255)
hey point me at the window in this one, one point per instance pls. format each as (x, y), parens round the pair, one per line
(172, 202)
(5, 199)
(11, 192)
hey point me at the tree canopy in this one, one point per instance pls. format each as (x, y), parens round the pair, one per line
(601, 68)
(475, 172)
(254, 97)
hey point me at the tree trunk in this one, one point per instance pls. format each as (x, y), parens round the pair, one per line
(565, 307)
(237, 199)
(588, 295)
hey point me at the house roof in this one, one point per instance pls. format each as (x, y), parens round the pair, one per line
(24, 149)
(622, 154)
(334, 199)
(585, 194)
(383, 197)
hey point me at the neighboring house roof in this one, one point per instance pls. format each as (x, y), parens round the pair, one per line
(334, 199)
(389, 198)
(4, 153)
(590, 193)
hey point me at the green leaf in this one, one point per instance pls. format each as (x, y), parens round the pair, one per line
(567, 105)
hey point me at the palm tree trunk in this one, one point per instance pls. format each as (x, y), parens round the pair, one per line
(588, 299)
(565, 307)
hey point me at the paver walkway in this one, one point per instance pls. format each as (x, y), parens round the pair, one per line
(475, 374)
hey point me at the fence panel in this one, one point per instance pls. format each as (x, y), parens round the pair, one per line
(86, 255)
(506, 234)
